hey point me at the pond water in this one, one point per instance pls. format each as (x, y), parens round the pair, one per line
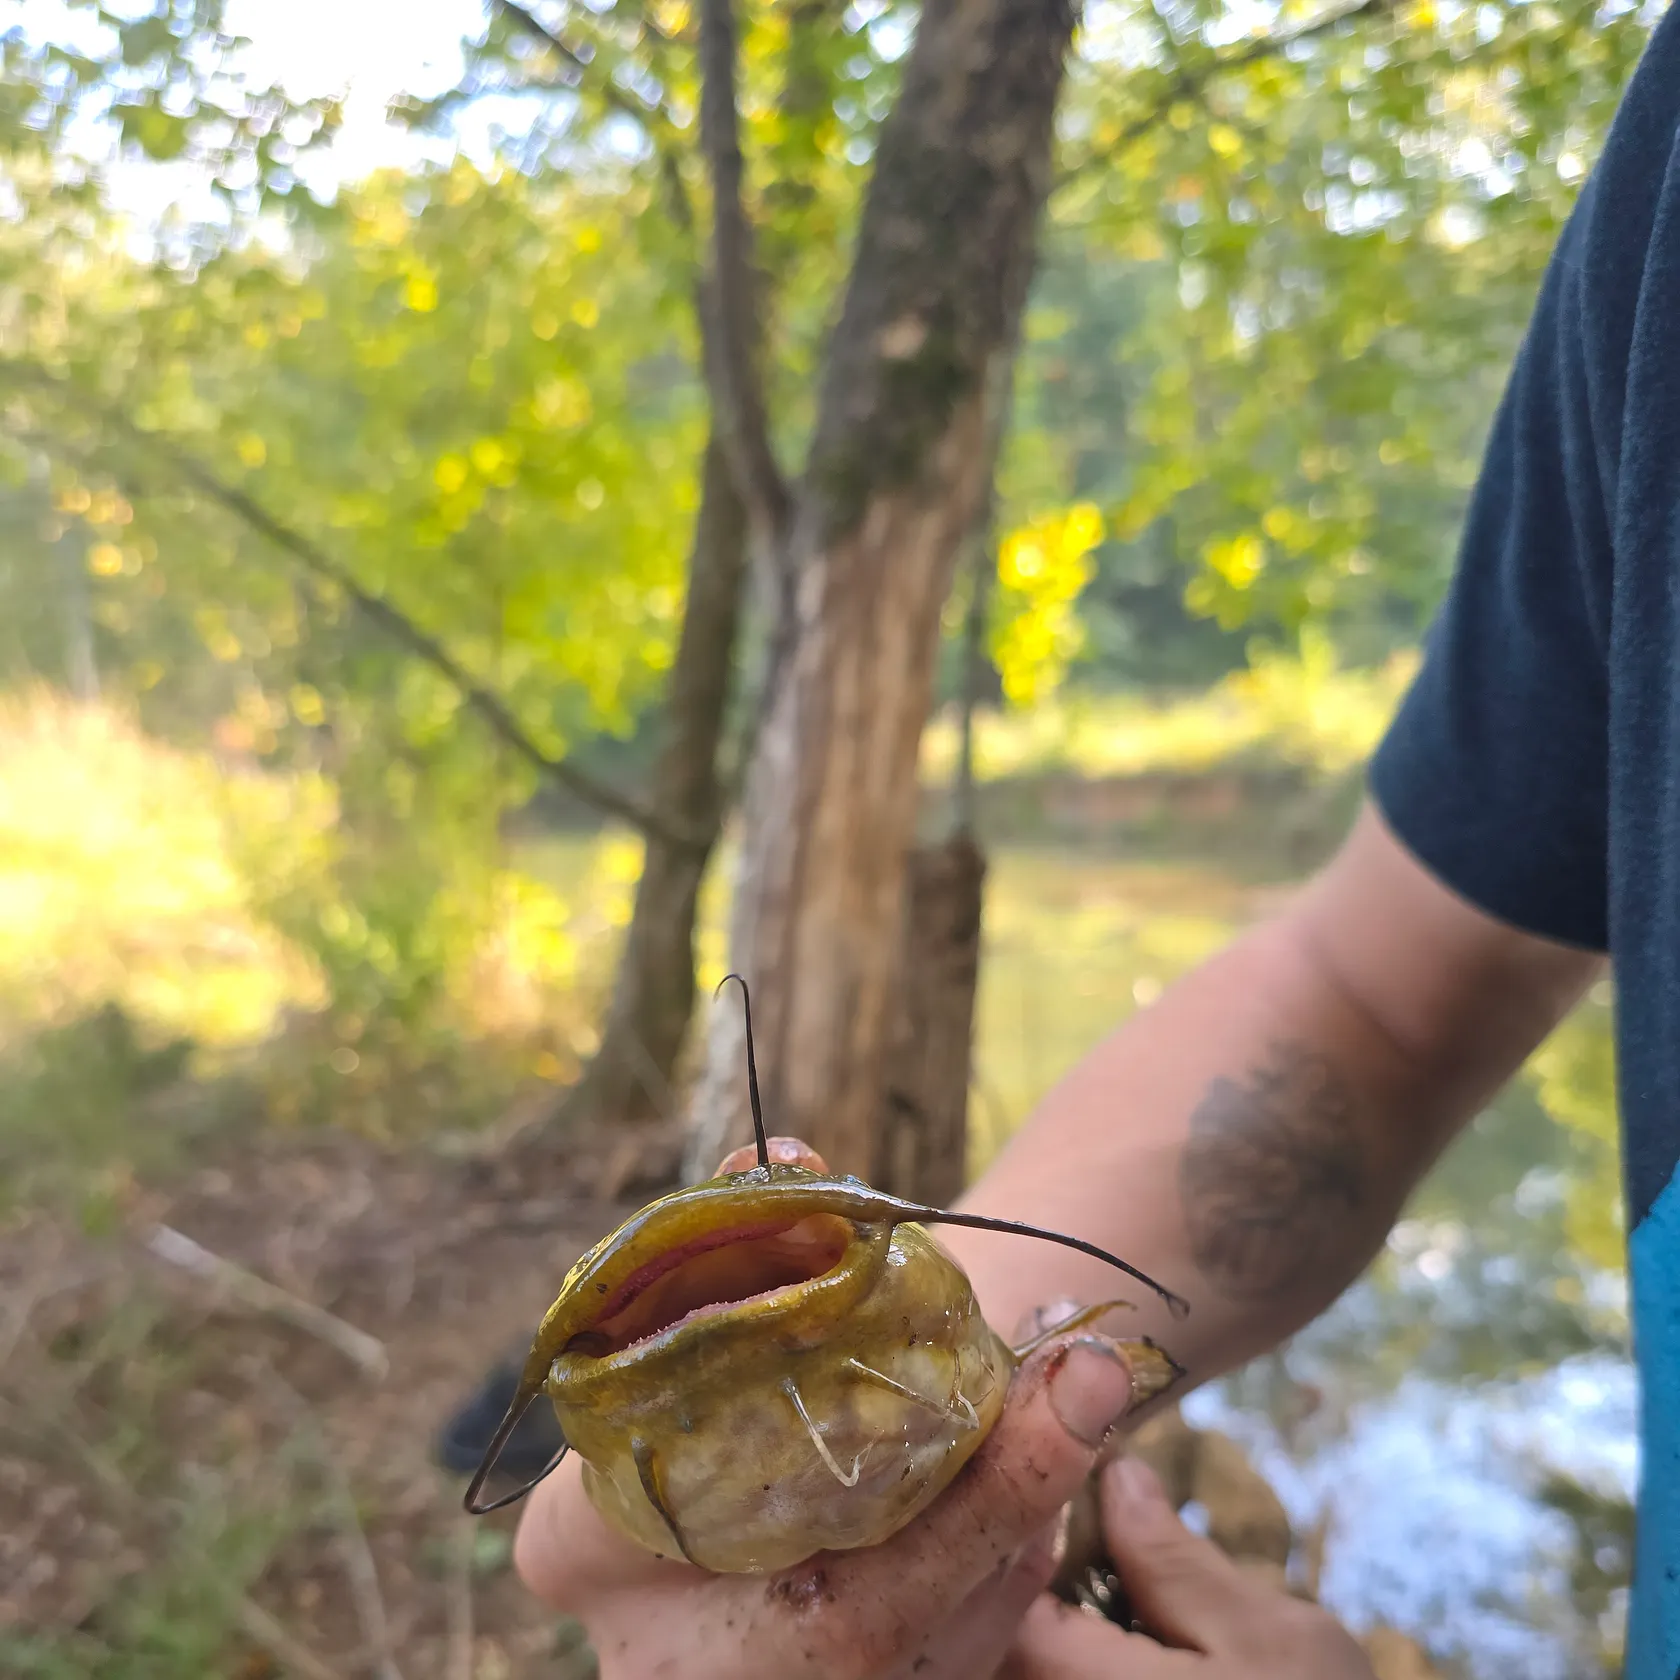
(1463, 1421)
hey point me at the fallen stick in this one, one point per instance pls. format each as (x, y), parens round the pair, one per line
(458, 1665)
(262, 1629)
(361, 1573)
(176, 1249)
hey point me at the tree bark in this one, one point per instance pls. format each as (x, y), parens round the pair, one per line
(914, 374)
(921, 1144)
(632, 1073)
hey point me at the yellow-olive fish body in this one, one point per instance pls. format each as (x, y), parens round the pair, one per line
(821, 1423)
(774, 1363)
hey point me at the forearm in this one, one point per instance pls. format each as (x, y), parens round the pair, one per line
(1250, 1139)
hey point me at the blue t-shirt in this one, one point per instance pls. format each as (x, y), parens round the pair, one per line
(1535, 765)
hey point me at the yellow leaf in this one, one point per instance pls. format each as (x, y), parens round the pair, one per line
(449, 474)
(1082, 530)
(561, 402)
(252, 450)
(1042, 568)
(1020, 561)
(306, 705)
(586, 312)
(1239, 561)
(1143, 244)
(1224, 140)
(105, 560)
(421, 294)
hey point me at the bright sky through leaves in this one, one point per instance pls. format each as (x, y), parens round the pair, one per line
(367, 50)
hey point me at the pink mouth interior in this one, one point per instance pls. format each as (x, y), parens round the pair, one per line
(721, 1269)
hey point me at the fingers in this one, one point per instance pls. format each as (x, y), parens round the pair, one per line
(1058, 1642)
(567, 1555)
(1061, 1404)
(784, 1152)
(969, 1643)
(1182, 1587)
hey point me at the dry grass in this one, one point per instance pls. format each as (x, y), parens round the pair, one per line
(1306, 713)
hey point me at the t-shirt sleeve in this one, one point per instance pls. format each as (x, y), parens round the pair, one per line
(1494, 772)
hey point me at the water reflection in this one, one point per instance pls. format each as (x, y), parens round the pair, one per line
(1465, 1416)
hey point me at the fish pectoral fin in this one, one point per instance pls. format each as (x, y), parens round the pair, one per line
(846, 1479)
(647, 1468)
(1079, 1320)
(967, 1418)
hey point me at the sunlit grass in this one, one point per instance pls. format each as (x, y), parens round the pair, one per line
(1305, 712)
(119, 881)
(124, 880)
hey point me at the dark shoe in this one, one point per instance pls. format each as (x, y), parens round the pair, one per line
(465, 1438)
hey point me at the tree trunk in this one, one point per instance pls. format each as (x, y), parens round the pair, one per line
(921, 1146)
(913, 378)
(632, 1074)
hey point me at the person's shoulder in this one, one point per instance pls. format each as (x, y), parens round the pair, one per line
(1641, 160)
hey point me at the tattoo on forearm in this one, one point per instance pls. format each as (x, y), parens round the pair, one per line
(1273, 1177)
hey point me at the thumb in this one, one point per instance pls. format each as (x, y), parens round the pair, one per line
(1061, 1404)
(1182, 1588)
(783, 1152)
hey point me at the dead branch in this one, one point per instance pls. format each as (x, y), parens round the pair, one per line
(262, 1629)
(655, 120)
(361, 1573)
(458, 1606)
(398, 625)
(403, 629)
(365, 1352)
(732, 291)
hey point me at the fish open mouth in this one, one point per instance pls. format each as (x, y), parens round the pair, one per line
(711, 1273)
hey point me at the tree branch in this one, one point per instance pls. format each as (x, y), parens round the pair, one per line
(653, 118)
(367, 1353)
(1189, 83)
(493, 711)
(732, 341)
(402, 629)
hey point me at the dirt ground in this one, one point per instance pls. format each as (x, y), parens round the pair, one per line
(173, 1452)
(216, 1420)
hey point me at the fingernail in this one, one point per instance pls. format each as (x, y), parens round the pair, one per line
(1090, 1389)
(1134, 1483)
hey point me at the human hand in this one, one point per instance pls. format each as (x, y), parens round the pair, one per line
(940, 1600)
(1217, 1622)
